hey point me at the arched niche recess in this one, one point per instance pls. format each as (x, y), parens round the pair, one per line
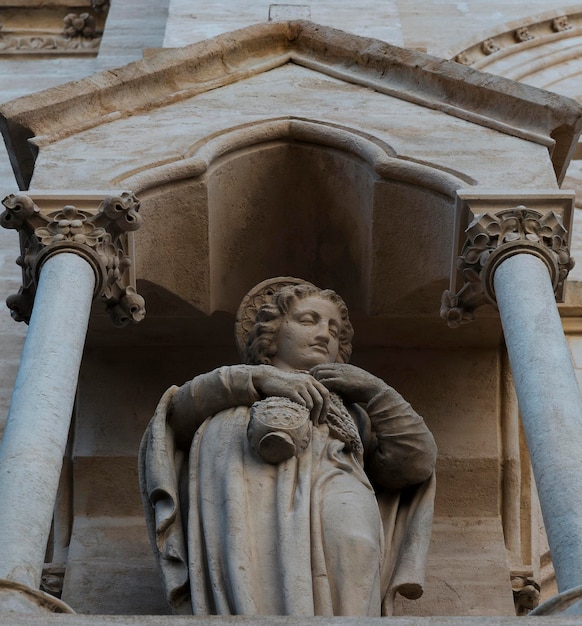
(297, 197)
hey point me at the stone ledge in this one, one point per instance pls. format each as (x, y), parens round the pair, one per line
(13, 619)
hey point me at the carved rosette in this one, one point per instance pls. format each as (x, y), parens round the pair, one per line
(491, 239)
(99, 236)
(523, 34)
(490, 46)
(79, 25)
(561, 24)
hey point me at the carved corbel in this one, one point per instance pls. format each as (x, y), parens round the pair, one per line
(491, 238)
(101, 233)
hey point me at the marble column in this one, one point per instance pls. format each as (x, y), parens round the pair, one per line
(70, 257)
(518, 259)
(549, 401)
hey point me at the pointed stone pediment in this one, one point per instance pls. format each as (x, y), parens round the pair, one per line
(175, 75)
(293, 149)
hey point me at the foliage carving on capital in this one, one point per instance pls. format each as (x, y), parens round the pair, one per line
(491, 239)
(99, 235)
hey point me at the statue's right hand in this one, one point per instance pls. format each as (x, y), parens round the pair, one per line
(299, 387)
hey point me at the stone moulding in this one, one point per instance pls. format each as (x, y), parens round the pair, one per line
(500, 228)
(99, 230)
(382, 157)
(177, 74)
(47, 43)
(515, 36)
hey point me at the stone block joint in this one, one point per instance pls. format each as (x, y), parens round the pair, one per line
(491, 239)
(99, 235)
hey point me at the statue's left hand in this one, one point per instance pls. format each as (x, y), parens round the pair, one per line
(352, 383)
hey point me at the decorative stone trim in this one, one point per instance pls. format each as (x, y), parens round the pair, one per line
(70, 27)
(490, 46)
(47, 44)
(494, 236)
(100, 234)
(560, 24)
(79, 25)
(523, 34)
(545, 28)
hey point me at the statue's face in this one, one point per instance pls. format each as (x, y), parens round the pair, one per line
(309, 335)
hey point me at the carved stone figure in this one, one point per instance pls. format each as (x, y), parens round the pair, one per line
(254, 509)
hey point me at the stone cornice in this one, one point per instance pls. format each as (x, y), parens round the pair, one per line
(176, 74)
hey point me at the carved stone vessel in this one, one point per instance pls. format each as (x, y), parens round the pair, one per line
(278, 429)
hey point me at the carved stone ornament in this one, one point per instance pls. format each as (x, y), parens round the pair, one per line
(492, 238)
(526, 594)
(100, 5)
(478, 53)
(490, 46)
(79, 25)
(523, 34)
(47, 43)
(463, 58)
(52, 580)
(561, 24)
(75, 29)
(99, 236)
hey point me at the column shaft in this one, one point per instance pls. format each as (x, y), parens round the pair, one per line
(549, 401)
(38, 422)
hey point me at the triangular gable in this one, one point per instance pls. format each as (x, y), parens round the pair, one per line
(176, 74)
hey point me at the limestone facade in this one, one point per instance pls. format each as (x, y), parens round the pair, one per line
(344, 158)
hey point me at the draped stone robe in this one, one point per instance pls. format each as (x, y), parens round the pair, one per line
(314, 535)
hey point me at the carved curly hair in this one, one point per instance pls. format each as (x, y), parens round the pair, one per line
(261, 344)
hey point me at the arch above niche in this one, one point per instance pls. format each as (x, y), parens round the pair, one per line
(250, 193)
(527, 50)
(377, 153)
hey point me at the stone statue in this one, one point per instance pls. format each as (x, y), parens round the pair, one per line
(295, 484)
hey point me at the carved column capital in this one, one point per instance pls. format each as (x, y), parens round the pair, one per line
(98, 231)
(494, 236)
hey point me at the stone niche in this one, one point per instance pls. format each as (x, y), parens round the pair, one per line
(291, 149)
